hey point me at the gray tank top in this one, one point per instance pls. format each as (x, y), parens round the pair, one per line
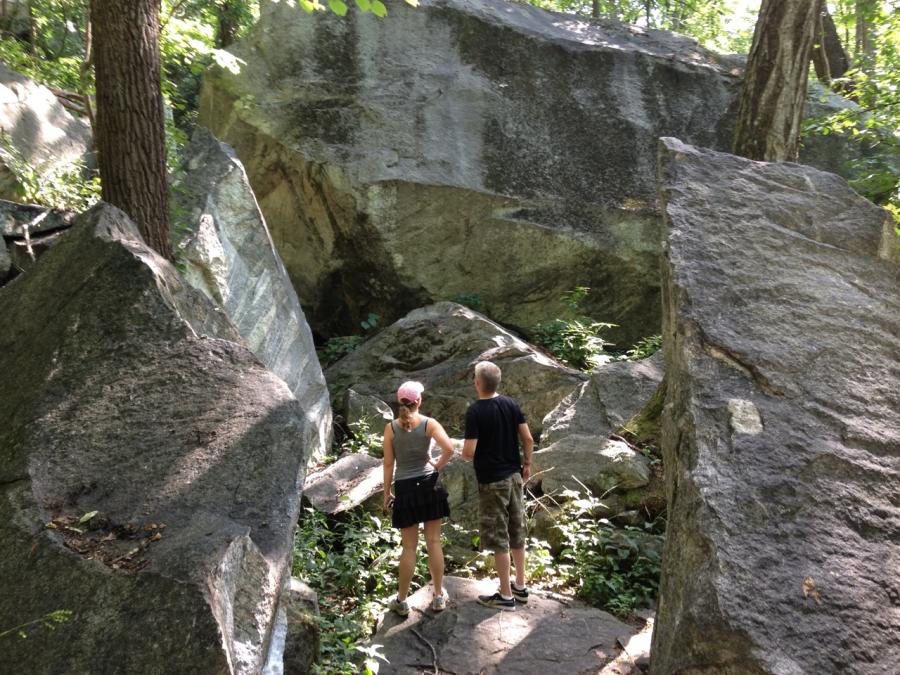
(411, 451)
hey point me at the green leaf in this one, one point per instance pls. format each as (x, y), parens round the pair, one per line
(378, 8)
(338, 7)
(364, 5)
(87, 516)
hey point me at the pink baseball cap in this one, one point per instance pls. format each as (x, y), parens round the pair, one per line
(410, 391)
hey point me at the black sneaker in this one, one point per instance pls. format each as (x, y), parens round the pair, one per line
(498, 601)
(520, 594)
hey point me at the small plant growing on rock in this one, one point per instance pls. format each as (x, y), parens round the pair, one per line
(576, 340)
(613, 568)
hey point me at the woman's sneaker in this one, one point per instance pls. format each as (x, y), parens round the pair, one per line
(400, 607)
(520, 594)
(498, 601)
(439, 603)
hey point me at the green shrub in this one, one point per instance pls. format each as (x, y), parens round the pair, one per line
(574, 339)
(613, 568)
(351, 563)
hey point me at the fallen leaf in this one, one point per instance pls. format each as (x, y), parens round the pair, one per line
(810, 590)
(156, 537)
(87, 516)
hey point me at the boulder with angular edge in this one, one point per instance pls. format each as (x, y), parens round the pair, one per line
(150, 468)
(781, 426)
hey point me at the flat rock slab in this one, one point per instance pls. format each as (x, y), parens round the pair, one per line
(347, 483)
(545, 636)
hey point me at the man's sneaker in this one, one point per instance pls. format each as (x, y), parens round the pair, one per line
(520, 594)
(498, 601)
(439, 603)
(400, 607)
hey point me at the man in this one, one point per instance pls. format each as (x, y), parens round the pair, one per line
(494, 426)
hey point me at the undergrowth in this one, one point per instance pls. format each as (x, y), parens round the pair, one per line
(351, 562)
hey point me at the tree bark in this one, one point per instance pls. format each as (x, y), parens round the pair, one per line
(865, 40)
(226, 30)
(595, 9)
(828, 55)
(130, 127)
(774, 90)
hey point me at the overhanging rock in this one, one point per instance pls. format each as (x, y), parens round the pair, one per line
(150, 467)
(475, 148)
(782, 421)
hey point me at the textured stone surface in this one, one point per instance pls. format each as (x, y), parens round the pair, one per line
(40, 130)
(601, 464)
(439, 346)
(466, 147)
(371, 411)
(546, 636)
(345, 484)
(302, 646)
(126, 393)
(615, 393)
(782, 422)
(15, 218)
(228, 254)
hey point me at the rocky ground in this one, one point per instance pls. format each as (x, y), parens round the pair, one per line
(552, 633)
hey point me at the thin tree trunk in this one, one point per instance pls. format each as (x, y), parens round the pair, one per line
(130, 137)
(595, 9)
(828, 55)
(85, 75)
(774, 89)
(226, 30)
(865, 41)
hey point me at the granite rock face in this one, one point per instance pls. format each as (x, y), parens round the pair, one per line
(614, 394)
(439, 346)
(466, 147)
(228, 254)
(781, 426)
(129, 395)
(38, 130)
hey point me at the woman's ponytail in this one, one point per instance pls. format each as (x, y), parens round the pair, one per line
(407, 410)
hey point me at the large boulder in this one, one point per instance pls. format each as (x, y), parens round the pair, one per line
(782, 421)
(37, 129)
(615, 393)
(474, 148)
(226, 252)
(150, 467)
(439, 345)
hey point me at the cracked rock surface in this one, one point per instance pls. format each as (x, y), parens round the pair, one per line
(781, 427)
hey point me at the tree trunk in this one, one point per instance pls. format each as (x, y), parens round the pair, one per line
(865, 41)
(595, 9)
(774, 89)
(226, 30)
(129, 117)
(828, 55)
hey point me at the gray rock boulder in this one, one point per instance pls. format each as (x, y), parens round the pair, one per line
(37, 129)
(782, 421)
(130, 397)
(601, 464)
(228, 254)
(614, 394)
(302, 646)
(439, 345)
(350, 481)
(466, 147)
(368, 411)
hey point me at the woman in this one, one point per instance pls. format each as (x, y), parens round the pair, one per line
(418, 496)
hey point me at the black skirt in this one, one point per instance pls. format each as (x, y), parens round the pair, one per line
(418, 500)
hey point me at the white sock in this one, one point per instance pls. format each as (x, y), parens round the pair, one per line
(517, 587)
(506, 597)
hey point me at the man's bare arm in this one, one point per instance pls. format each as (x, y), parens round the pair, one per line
(468, 450)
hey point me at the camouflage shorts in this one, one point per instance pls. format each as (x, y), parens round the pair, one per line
(502, 514)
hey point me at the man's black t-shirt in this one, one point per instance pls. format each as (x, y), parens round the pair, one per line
(495, 423)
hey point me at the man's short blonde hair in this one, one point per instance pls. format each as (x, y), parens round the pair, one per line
(488, 375)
